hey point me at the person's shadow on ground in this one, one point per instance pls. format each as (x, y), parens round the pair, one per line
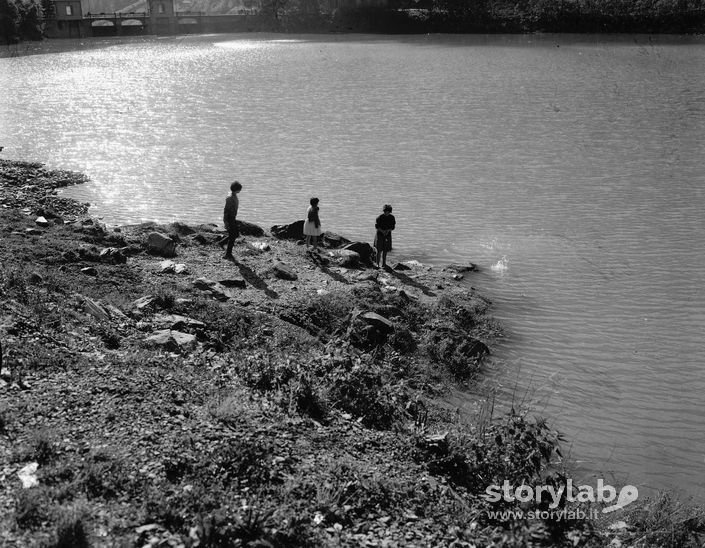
(403, 278)
(324, 268)
(251, 277)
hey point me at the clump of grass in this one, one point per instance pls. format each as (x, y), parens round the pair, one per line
(70, 531)
(664, 522)
(30, 508)
(165, 299)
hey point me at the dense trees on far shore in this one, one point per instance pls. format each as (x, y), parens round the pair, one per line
(22, 19)
(518, 16)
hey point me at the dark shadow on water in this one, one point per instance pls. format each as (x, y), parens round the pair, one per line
(403, 278)
(251, 277)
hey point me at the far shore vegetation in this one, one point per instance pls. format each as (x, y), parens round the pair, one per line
(24, 19)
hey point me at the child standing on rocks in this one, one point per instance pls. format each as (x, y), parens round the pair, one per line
(312, 225)
(384, 224)
(230, 219)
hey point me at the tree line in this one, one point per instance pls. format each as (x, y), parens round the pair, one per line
(522, 16)
(23, 19)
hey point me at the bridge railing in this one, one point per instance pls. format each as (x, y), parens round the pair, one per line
(145, 14)
(116, 15)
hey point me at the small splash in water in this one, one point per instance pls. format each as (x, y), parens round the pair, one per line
(500, 266)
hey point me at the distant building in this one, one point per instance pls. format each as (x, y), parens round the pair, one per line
(66, 22)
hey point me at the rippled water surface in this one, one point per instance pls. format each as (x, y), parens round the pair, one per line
(571, 169)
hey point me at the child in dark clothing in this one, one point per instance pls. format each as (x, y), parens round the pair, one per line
(384, 224)
(230, 219)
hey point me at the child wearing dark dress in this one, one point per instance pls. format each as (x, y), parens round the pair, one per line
(384, 224)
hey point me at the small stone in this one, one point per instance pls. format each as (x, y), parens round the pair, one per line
(28, 475)
(146, 528)
(112, 255)
(41, 221)
(204, 283)
(143, 302)
(176, 321)
(95, 309)
(260, 246)
(89, 271)
(33, 231)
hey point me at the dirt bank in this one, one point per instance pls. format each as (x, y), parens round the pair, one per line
(283, 399)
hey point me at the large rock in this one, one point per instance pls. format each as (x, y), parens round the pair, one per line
(363, 249)
(346, 258)
(292, 231)
(172, 340)
(368, 329)
(250, 229)
(161, 244)
(331, 239)
(378, 321)
(182, 229)
(284, 272)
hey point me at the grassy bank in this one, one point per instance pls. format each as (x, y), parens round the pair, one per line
(284, 399)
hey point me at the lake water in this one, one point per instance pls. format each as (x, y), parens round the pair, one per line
(570, 169)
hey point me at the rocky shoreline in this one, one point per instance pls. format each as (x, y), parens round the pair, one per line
(153, 394)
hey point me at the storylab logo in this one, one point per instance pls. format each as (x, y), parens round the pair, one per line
(601, 494)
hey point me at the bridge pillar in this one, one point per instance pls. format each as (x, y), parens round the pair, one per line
(162, 17)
